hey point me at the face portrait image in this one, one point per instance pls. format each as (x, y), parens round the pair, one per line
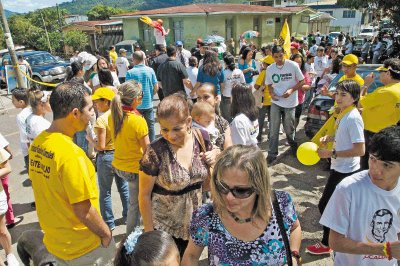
(381, 223)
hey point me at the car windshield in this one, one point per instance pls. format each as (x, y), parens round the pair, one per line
(367, 30)
(363, 73)
(41, 59)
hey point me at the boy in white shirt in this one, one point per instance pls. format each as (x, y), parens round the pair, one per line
(122, 65)
(363, 213)
(349, 145)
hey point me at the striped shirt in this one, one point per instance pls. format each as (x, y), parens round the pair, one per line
(146, 76)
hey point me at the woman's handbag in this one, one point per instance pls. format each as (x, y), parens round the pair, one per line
(201, 139)
(279, 219)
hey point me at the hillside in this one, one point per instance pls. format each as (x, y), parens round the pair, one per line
(83, 6)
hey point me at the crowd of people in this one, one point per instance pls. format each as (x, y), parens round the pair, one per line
(203, 182)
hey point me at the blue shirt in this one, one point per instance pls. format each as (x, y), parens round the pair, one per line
(146, 76)
(248, 75)
(216, 80)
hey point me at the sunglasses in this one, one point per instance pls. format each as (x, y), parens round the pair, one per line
(237, 192)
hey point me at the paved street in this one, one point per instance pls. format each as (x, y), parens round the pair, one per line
(304, 184)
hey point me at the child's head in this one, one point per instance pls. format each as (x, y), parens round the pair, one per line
(39, 101)
(203, 113)
(347, 93)
(20, 98)
(150, 248)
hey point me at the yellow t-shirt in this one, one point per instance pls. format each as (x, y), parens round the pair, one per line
(113, 57)
(128, 151)
(62, 175)
(102, 122)
(357, 78)
(381, 108)
(267, 97)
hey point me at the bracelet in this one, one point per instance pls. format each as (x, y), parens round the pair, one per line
(385, 252)
(389, 250)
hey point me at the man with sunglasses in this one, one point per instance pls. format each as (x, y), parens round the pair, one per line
(363, 213)
(381, 108)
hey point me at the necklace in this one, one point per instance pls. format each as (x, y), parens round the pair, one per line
(238, 220)
(280, 67)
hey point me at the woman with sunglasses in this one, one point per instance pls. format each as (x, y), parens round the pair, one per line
(240, 227)
(130, 135)
(172, 172)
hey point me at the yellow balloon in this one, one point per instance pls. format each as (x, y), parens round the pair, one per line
(307, 153)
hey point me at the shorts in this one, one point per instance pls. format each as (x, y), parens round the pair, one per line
(3, 203)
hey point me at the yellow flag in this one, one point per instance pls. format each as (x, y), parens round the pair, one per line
(284, 39)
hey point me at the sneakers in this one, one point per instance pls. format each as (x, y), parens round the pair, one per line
(318, 249)
(12, 260)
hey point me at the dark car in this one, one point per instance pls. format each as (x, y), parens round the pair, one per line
(45, 67)
(318, 111)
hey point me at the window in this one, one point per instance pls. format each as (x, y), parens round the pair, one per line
(147, 32)
(178, 30)
(330, 12)
(349, 13)
(278, 2)
(256, 24)
(229, 28)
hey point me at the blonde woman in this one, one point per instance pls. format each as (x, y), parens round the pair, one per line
(241, 226)
(129, 133)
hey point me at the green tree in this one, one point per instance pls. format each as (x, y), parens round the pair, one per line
(76, 39)
(103, 12)
(390, 8)
(24, 32)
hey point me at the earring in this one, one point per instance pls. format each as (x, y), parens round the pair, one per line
(189, 130)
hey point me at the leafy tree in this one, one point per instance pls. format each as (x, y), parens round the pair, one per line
(76, 39)
(103, 12)
(24, 32)
(391, 8)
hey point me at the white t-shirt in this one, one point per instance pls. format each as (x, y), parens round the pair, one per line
(349, 131)
(96, 81)
(232, 77)
(361, 211)
(122, 66)
(283, 78)
(3, 142)
(186, 55)
(244, 131)
(160, 38)
(21, 123)
(313, 50)
(320, 63)
(318, 40)
(35, 124)
(192, 76)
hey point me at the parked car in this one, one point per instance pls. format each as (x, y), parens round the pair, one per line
(368, 32)
(332, 36)
(45, 67)
(358, 46)
(318, 111)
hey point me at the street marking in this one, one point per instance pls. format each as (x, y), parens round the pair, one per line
(11, 134)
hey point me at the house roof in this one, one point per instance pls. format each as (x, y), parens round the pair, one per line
(205, 9)
(93, 23)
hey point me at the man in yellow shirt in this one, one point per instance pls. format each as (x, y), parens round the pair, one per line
(381, 108)
(113, 55)
(64, 184)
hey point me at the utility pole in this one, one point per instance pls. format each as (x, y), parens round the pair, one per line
(10, 47)
(47, 34)
(60, 29)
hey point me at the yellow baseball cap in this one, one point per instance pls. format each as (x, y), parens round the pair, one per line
(103, 93)
(350, 59)
(268, 60)
(386, 69)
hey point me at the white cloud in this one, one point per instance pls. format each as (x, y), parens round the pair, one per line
(23, 6)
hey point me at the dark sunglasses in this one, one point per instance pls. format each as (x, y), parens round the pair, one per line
(237, 192)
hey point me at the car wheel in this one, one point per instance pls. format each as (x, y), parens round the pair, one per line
(35, 85)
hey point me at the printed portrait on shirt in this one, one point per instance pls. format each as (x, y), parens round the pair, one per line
(380, 225)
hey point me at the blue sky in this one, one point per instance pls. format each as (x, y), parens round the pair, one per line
(23, 6)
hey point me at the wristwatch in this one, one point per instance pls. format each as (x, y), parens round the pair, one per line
(334, 155)
(296, 255)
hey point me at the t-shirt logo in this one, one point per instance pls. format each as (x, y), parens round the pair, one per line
(276, 78)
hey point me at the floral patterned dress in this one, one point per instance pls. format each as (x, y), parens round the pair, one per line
(177, 190)
(207, 229)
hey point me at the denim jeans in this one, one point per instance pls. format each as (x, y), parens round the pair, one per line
(81, 141)
(265, 110)
(148, 115)
(105, 176)
(133, 219)
(226, 108)
(287, 115)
